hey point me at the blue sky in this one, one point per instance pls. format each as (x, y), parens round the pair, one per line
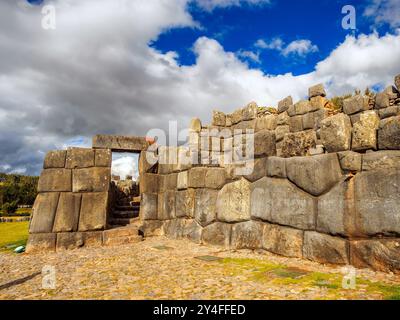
(130, 67)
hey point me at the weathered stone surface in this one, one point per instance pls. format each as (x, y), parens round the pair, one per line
(355, 104)
(320, 115)
(318, 150)
(281, 131)
(264, 143)
(302, 107)
(184, 159)
(197, 177)
(389, 112)
(266, 122)
(218, 119)
(250, 111)
(335, 210)
(69, 241)
(147, 162)
(282, 119)
(298, 143)
(168, 182)
(148, 206)
(317, 90)
(397, 81)
(79, 158)
(215, 178)
(336, 133)
(167, 159)
(380, 255)
(389, 134)
(53, 180)
(195, 125)
(296, 123)
(318, 102)
(378, 202)
(185, 203)
(325, 249)
(166, 205)
(247, 235)
(103, 158)
(284, 241)
(350, 160)
(382, 100)
(259, 170)
(95, 179)
(55, 159)
(364, 131)
(316, 175)
(308, 121)
(152, 228)
(94, 209)
(182, 180)
(192, 231)
(174, 228)
(381, 160)
(67, 214)
(43, 213)
(284, 104)
(41, 242)
(93, 239)
(278, 201)
(218, 234)
(120, 143)
(236, 116)
(149, 183)
(228, 208)
(205, 206)
(276, 167)
(241, 127)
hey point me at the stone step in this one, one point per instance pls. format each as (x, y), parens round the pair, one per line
(125, 214)
(121, 235)
(127, 208)
(122, 221)
(122, 240)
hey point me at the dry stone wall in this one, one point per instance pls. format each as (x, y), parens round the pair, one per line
(306, 182)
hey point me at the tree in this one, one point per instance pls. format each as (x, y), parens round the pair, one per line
(10, 207)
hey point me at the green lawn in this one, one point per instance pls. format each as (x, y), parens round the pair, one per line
(13, 234)
(20, 211)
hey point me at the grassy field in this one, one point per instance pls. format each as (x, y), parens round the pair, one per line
(13, 234)
(20, 212)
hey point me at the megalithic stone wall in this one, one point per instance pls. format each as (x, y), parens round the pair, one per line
(72, 206)
(323, 184)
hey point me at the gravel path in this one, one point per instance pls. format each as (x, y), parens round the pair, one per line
(160, 268)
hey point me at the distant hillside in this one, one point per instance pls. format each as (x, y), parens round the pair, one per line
(17, 188)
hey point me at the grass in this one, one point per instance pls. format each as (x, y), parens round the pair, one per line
(13, 234)
(278, 274)
(19, 212)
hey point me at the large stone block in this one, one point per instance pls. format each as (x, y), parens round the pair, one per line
(381, 160)
(95, 179)
(148, 206)
(67, 215)
(103, 158)
(258, 171)
(43, 213)
(55, 159)
(166, 205)
(55, 180)
(281, 131)
(355, 104)
(267, 122)
(41, 242)
(378, 202)
(279, 201)
(250, 111)
(174, 228)
(197, 177)
(247, 235)
(382, 100)
(195, 125)
(120, 143)
(192, 231)
(152, 228)
(147, 162)
(94, 210)
(308, 121)
(168, 182)
(336, 133)
(350, 160)
(316, 175)
(296, 123)
(79, 158)
(318, 102)
(236, 116)
(302, 107)
(389, 134)
(284, 104)
(233, 204)
(317, 90)
(167, 159)
(185, 203)
(364, 131)
(149, 183)
(389, 112)
(325, 249)
(205, 201)
(264, 143)
(276, 167)
(298, 143)
(284, 241)
(218, 234)
(380, 255)
(282, 119)
(70, 241)
(218, 119)
(203, 177)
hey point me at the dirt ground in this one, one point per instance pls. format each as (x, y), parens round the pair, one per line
(160, 268)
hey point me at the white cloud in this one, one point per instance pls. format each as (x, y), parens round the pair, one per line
(97, 74)
(300, 48)
(246, 54)
(210, 5)
(384, 11)
(275, 44)
(125, 165)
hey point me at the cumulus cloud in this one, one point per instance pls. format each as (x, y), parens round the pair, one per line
(210, 5)
(250, 55)
(124, 165)
(96, 73)
(298, 47)
(384, 12)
